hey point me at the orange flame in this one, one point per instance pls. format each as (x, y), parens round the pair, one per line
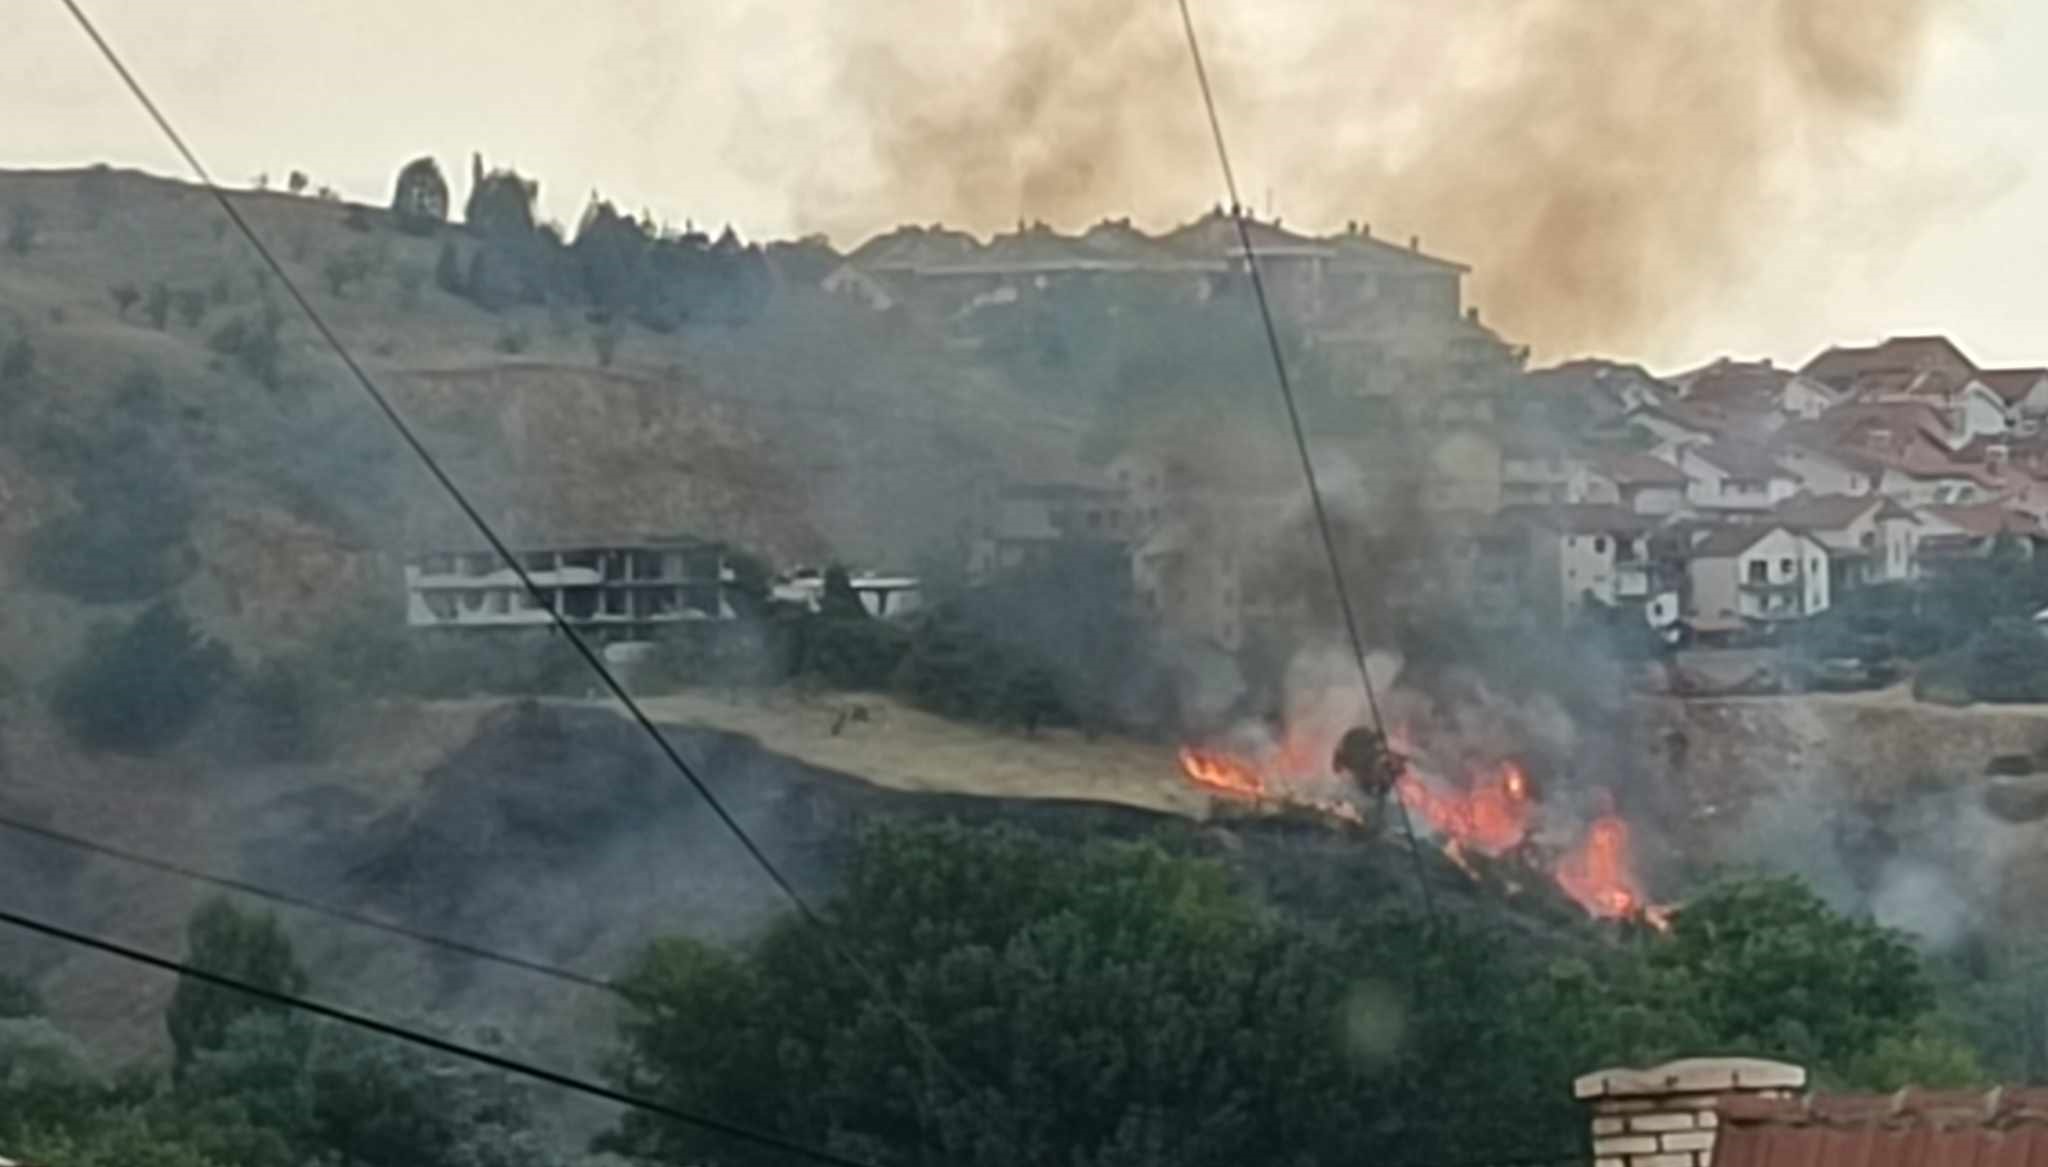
(1600, 874)
(1492, 817)
(1221, 773)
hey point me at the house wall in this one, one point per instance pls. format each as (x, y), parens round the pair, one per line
(1803, 398)
(1655, 500)
(1714, 596)
(1794, 568)
(1920, 492)
(1983, 412)
(1585, 564)
(2035, 403)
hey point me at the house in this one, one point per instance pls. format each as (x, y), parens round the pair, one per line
(1638, 482)
(1951, 533)
(1917, 369)
(1754, 574)
(2024, 391)
(1756, 387)
(1870, 539)
(1568, 397)
(1726, 475)
(1030, 524)
(1578, 557)
(620, 588)
(1753, 1112)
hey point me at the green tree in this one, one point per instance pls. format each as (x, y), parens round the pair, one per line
(250, 947)
(140, 688)
(1106, 1004)
(127, 540)
(124, 296)
(420, 200)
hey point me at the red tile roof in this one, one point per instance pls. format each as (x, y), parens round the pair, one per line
(1740, 460)
(1736, 384)
(1985, 519)
(1839, 367)
(2012, 384)
(1635, 469)
(1913, 1128)
(1832, 512)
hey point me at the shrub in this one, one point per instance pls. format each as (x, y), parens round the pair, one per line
(222, 289)
(604, 341)
(514, 340)
(2007, 662)
(253, 343)
(140, 688)
(124, 296)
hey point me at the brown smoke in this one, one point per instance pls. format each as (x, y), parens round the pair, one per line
(1604, 165)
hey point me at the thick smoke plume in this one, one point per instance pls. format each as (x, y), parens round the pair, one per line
(1603, 166)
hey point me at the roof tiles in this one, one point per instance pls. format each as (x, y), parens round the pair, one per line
(1913, 1128)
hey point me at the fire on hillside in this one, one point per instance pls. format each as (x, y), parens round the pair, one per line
(1488, 809)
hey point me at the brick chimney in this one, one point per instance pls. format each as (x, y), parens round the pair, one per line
(1663, 1116)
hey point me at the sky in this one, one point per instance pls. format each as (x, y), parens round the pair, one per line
(784, 116)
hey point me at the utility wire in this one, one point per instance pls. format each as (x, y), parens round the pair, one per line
(440, 1045)
(1308, 467)
(590, 655)
(524, 1069)
(93, 846)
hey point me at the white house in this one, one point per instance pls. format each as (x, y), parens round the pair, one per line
(1870, 539)
(625, 588)
(1756, 573)
(1724, 476)
(1588, 554)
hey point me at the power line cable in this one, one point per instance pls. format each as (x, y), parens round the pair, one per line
(536, 1073)
(244, 887)
(1300, 435)
(428, 1041)
(590, 655)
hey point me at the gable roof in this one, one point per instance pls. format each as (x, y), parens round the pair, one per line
(1735, 384)
(912, 246)
(1841, 367)
(1215, 235)
(1985, 519)
(1739, 460)
(1352, 247)
(1913, 1128)
(1734, 539)
(1635, 469)
(1832, 512)
(2012, 385)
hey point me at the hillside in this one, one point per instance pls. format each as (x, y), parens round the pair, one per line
(803, 433)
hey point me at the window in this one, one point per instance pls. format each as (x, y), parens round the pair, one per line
(1757, 568)
(1599, 545)
(1785, 566)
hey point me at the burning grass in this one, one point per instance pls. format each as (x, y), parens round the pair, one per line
(1489, 810)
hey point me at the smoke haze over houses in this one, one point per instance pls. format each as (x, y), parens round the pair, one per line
(1646, 180)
